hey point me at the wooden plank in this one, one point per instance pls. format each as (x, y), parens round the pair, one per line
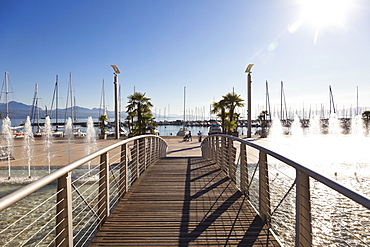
(183, 202)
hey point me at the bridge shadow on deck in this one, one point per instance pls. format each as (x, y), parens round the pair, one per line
(184, 201)
(222, 209)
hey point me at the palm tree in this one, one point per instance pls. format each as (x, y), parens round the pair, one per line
(219, 108)
(366, 118)
(139, 109)
(103, 119)
(232, 101)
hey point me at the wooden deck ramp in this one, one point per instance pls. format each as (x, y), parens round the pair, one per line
(180, 201)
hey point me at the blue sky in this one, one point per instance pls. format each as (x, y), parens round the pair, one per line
(160, 46)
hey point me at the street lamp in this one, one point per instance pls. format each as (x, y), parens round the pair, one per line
(116, 110)
(249, 83)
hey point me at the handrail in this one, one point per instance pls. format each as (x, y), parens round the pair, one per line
(330, 183)
(14, 197)
(221, 149)
(84, 200)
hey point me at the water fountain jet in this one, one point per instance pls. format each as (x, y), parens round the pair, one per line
(69, 135)
(90, 139)
(48, 140)
(28, 142)
(7, 141)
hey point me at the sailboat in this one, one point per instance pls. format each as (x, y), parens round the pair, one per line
(183, 131)
(17, 131)
(104, 129)
(35, 112)
(56, 132)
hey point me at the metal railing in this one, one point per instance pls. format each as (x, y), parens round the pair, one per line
(68, 206)
(298, 204)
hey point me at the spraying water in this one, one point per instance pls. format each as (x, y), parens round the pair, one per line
(315, 125)
(296, 128)
(90, 138)
(7, 141)
(48, 140)
(69, 135)
(28, 142)
(276, 129)
(334, 125)
(357, 126)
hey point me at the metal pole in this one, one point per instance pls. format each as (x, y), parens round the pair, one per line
(249, 82)
(116, 106)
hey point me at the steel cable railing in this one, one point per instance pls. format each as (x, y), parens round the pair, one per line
(298, 204)
(88, 190)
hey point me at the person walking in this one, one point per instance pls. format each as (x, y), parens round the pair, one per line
(200, 136)
(190, 138)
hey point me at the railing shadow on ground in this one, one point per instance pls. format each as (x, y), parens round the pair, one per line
(183, 149)
(225, 197)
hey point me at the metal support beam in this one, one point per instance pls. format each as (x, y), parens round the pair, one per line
(243, 170)
(64, 229)
(303, 211)
(264, 189)
(123, 171)
(103, 204)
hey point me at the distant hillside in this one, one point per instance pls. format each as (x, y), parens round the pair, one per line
(19, 110)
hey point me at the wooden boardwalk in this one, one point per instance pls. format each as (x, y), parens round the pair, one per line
(182, 201)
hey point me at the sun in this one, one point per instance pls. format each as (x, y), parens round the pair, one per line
(321, 14)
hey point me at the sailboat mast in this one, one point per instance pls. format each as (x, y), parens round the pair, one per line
(331, 99)
(37, 107)
(7, 93)
(268, 109)
(281, 100)
(55, 98)
(102, 100)
(35, 113)
(71, 96)
(56, 102)
(357, 101)
(184, 102)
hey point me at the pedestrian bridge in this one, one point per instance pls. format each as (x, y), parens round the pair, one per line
(151, 192)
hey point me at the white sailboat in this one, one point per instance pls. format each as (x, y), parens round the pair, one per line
(183, 131)
(17, 131)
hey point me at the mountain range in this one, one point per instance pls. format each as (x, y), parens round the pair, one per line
(19, 110)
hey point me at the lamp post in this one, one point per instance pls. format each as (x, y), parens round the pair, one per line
(116, 110)
(249, 83)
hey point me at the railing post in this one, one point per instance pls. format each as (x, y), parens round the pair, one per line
(145, 153)
(264, 189)
(243, 170)
(211, 148)
(223, 155)
(303, 210)
(137, 160)
(163, 149)
(217, 151)
(103, 204)
(231, 160)
(150, 150)
(123, 171)
(64, 229)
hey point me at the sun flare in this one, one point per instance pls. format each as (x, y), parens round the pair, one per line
(321, 13)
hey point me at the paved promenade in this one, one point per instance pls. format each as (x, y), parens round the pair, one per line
(61, 151)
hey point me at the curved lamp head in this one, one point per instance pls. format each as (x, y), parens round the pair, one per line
(249, 68)
(116, 70)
